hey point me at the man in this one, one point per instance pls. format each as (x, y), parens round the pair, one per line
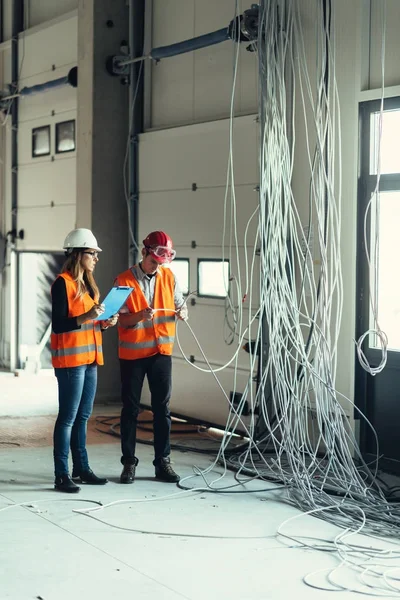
(146, 339)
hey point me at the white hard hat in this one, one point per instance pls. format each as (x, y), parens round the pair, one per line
(81, 238)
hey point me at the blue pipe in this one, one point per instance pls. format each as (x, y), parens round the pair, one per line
(202, 41)
(43, 87)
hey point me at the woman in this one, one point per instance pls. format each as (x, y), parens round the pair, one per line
(76, 348)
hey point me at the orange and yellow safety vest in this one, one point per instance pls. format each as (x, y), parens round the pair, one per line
(149, 337)
(82, 346)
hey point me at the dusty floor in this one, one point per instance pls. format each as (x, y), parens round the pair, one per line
(149, 540)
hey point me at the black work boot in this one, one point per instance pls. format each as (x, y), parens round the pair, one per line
(165, 472)
(64, 483)
(128, 473)
(87, 476)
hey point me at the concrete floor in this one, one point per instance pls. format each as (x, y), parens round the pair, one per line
(186, 545)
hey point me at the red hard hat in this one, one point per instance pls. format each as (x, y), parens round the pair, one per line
(158, 238)
(160, 246)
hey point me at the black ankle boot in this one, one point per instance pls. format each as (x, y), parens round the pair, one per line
(129, 472)
(64, 483)
(87, 476)
(165, 472)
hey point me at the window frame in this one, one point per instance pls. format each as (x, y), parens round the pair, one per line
(214, 260)
(36, 129)
(57, 126)
(187, 261)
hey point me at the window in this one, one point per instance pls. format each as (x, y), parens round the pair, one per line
(213, 278)
(65, 137)
(41, 141)
(389, 142)
(180, 268)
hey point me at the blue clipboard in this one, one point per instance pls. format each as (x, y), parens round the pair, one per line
(114, 300)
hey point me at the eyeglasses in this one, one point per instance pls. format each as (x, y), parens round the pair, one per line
(94, 254)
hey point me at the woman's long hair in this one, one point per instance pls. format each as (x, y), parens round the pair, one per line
(84, 279)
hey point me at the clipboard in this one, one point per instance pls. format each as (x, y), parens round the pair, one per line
(114, 300)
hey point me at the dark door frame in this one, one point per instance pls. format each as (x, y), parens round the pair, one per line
(366, 185)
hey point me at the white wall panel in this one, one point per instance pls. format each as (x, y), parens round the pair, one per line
(53, 105)
(213, 82)
(170, 162)
(214, 67)
(199, 215)
(175, 158)
(392, 24)
(56, 222)
(207, 323)
(174, 94)
(173, 21)
(37, 12)
(198, 394)
(197, 86)
(48, 184)
(45, 54)
(40, 11)
(49, 48)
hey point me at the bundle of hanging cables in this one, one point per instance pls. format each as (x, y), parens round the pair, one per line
(307, 442)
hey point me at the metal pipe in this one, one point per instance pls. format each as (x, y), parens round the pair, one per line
(136, 41)
(201, 41)
(70, 79)
(43, 87)
(132, 61)
(17, 28)
(1, 21)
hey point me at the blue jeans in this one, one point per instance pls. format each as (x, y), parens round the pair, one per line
(76, 392)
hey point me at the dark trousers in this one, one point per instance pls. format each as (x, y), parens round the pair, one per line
(158, 369)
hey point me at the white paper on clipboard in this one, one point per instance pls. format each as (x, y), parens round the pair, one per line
(114, 300)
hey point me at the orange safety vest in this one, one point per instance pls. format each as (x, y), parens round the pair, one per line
(82, 346)
(149, 337)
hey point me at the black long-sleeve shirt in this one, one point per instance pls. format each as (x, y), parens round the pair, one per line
(61, 322)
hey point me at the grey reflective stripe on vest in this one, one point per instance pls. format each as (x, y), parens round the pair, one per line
(147, 344)
(164, 319)
(156, 320)
(143, 325)
(166, 340)
(76, 350)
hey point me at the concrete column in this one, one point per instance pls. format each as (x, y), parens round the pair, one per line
(102, 131)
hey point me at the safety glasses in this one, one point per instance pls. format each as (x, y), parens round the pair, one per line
(162, 252)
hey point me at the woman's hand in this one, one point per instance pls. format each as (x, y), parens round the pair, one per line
(90, 315)
(94, 312)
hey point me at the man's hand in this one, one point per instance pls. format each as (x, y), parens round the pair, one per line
(112, 321)
(182, 313)
(147, 314)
